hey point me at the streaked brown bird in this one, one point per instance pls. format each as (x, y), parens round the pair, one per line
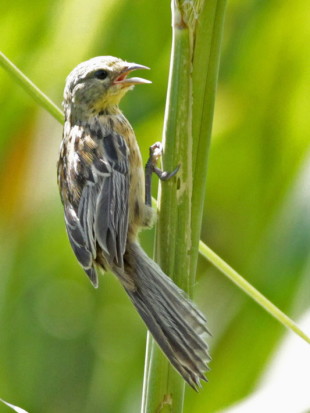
(106, 203)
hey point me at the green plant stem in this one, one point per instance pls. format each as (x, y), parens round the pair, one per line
(251, 291)
(197, 27)
(15, 408)
(31, 88)
(163, 387)
(205, 69)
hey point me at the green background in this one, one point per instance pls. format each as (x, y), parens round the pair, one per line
(65, 347)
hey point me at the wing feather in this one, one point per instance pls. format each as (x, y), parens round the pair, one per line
(77, 238)
(101, 217)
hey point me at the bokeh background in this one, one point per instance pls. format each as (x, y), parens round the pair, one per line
(65, 347)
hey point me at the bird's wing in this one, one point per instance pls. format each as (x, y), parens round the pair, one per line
(79, 243)
(111, 206)
(101, 218)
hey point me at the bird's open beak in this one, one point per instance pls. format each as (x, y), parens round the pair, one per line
(121, 77)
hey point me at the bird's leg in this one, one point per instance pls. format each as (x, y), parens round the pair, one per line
(156, 151)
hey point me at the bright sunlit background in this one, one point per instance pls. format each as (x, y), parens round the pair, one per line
(67, 348)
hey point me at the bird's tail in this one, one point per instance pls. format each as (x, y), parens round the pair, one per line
(174, 321)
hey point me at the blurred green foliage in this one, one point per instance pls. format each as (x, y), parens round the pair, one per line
(65, 347)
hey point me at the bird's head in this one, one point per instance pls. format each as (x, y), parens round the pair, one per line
(99, 83)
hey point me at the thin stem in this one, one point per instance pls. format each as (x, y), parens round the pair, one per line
(31, 88)
(15, 408)
(251, 291)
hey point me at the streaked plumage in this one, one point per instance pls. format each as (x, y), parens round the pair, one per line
(101, 181)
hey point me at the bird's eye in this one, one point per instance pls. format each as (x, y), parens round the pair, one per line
(101, 74)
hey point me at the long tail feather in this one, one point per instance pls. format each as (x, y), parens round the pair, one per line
(176, 324)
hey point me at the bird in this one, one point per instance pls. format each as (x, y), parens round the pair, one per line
(107, 201)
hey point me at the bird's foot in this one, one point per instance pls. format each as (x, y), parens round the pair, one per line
(156, 151)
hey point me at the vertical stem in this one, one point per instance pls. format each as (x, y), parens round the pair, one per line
(208, 36)
(174, 226)
(163, 387)
(196, 27)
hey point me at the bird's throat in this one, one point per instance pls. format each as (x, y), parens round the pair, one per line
(110, 102)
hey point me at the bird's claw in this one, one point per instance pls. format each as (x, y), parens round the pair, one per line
(156, 151)
(164, 175)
